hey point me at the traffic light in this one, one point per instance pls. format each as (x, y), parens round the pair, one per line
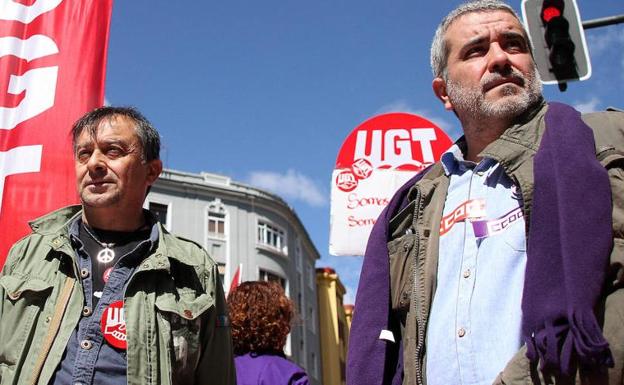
(558, 40)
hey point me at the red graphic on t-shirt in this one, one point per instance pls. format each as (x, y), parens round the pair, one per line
(107, 274)
(114, 325)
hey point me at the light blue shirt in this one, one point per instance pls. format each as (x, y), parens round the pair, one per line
(475, 322)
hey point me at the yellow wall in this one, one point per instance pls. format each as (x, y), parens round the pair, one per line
(334, 328)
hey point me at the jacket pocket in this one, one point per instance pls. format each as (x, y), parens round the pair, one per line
(23, 301)
(183, 314)
(399, 251)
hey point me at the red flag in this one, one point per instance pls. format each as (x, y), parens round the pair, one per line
(52, 71)
(236, 280)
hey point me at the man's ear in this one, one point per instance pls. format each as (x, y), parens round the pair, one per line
(154, 168)
(439, 89)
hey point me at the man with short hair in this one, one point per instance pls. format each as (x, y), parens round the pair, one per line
(101, 293)
(503, 262)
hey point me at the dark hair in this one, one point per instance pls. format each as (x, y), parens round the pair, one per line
(148, 136)
(260, 315)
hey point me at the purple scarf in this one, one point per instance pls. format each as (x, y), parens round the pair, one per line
(568, 250)
(570, 240)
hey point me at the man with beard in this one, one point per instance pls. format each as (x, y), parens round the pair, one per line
(503, 262)
(100, 293)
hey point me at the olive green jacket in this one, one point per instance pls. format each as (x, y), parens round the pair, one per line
(175, 312)
(413, 249)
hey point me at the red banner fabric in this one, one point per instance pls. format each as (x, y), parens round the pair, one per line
(52, 71)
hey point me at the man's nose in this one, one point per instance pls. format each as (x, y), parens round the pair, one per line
(96, 162)
(498, 59)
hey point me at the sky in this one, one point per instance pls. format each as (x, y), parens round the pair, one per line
(266, 92)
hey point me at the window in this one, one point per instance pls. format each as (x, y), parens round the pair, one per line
(298, 256)
(216, 224)
(303, 357)
(160, 212)
(216, 230)
(311, 320)
(221, 268)
(311, 275)
(216, 251)
(313, 365)
(216, 216)
(272, 277)
(272, 236)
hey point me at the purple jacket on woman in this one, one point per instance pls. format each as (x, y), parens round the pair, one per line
(268, 369)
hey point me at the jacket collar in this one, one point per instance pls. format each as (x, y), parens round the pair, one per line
(520, 141)
(166, 250)
(56, 225)
(56, 222)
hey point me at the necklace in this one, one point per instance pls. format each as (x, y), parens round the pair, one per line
(105, 255)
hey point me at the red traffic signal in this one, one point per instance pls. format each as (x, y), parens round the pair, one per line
(558, 40)
(551, 10)
(557, 37)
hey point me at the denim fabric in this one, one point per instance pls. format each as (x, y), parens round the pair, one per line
(100, 363)
(475, 321)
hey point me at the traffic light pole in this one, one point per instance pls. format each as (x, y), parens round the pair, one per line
(609, 20)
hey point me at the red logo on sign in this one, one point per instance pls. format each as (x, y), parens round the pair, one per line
(394, 141)
(346, 181)
(362, 168)
(114, 325)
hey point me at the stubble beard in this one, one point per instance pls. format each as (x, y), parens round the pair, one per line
(101, 200)
(470, 101)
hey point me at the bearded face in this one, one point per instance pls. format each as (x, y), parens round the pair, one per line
(490, 73)
(511, 102)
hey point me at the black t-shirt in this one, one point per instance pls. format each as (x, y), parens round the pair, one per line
(122, 244)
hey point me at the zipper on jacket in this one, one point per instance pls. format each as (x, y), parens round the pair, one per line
(420, 320)
(525, 213)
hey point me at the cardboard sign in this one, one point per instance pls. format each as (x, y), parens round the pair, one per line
(377, 158)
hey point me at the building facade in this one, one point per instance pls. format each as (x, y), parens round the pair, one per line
(256, 231)
(348, 308)
(334, 326)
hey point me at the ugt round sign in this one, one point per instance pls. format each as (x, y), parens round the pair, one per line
(377, 158)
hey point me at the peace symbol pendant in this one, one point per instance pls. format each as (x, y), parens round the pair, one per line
(106, 255)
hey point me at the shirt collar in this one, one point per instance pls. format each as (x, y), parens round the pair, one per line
(453, 160)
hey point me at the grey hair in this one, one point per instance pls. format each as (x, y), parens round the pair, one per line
(439, 48)
(148, 136)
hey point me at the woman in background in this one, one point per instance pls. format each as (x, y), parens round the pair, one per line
(260, 316)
